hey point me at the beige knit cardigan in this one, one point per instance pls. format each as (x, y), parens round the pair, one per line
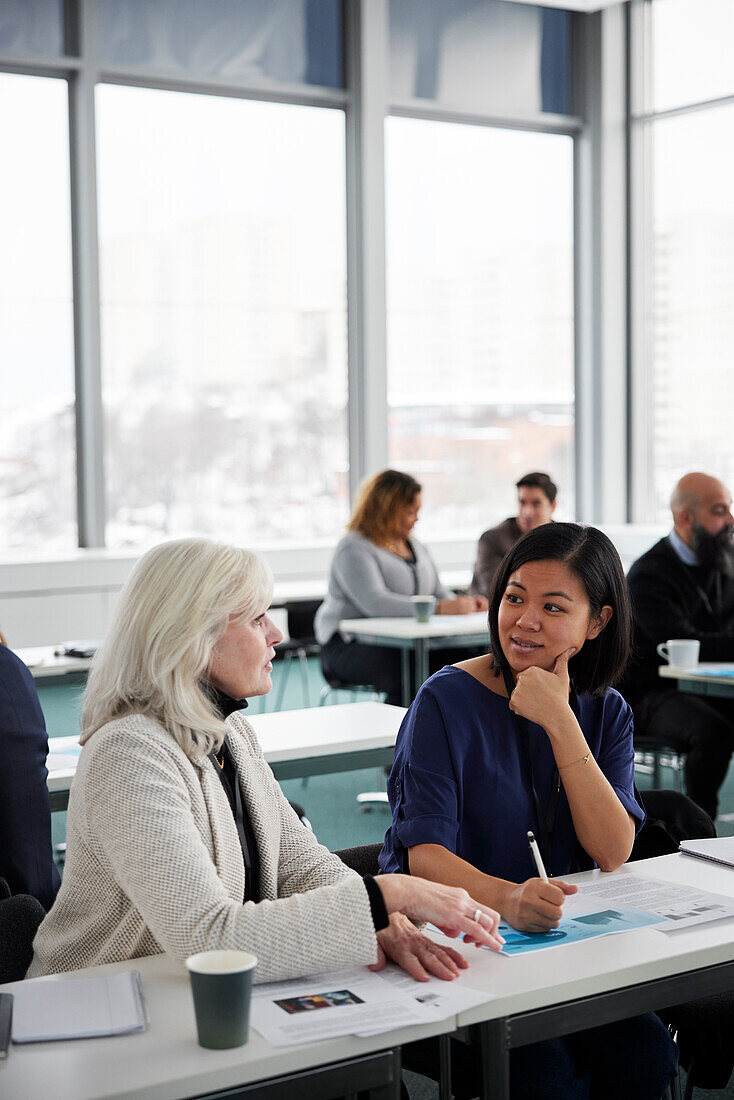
(154, 864)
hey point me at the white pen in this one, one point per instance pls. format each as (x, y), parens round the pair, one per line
(535, 852)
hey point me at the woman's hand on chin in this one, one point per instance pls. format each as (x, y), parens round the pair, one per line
(420, 956)
(542, 696)
(450, 908)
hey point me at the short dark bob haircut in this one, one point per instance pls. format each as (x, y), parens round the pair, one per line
(593, 559)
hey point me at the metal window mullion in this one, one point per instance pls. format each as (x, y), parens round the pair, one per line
(299, 94)
(366, 47)
(641, 449)
(32, 65)
(85, 276)
(601, 255)
(437, 112)
(585, 267)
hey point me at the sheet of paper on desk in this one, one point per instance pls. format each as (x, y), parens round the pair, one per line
(437, 999)
(575, 927)
(676, 905)
(704, 670)
(579, 922)
(346, 1002)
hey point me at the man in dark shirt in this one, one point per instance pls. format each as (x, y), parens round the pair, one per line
(26, 860)
(683, 587)
(536, 503)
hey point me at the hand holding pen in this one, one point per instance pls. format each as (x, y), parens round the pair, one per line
(536, 905)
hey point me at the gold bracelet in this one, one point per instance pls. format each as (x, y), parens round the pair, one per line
(578, 760)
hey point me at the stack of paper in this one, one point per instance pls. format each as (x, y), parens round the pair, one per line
(354, 1002)
(78, 1008)
(718, 850)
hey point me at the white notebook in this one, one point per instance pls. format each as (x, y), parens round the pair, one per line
(78, 1008)
(717, 849)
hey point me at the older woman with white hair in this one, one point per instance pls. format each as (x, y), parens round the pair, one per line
(179, 839)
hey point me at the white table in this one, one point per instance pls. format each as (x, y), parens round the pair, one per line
(697, 680)
(313, 741)
(166, 1062)
(44, 664)
(559, 991)
(537, 996)
(406, 634)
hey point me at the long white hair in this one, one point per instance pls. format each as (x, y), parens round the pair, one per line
(170, 614)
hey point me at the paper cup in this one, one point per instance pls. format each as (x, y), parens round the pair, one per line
(221, 982)
(423, 607)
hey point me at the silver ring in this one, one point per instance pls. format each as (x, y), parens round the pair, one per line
(478, 916)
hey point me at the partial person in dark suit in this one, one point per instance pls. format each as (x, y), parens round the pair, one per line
(26, 860)
(683, 587)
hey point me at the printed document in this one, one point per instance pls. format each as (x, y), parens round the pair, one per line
(676, 905)
(575, 927)
(354, 1002)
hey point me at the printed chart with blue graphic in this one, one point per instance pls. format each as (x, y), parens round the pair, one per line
(574, 929)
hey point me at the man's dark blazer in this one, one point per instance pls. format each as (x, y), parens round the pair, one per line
(673, 600)
(26, 860)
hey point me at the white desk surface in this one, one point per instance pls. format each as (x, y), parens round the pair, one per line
(42, 662)
(562, 974)
(314, 588)
(438, 626)
(288, 735)
(166, 1062)
(699, 672)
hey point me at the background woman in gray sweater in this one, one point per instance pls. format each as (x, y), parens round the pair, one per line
(376, 570)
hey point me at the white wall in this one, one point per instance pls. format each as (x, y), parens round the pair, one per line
(48, 600)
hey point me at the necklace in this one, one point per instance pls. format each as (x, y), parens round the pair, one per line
(220, 762)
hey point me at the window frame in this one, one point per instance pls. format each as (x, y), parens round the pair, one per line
(642, 119)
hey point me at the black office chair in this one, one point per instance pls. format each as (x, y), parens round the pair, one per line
(333, 683)
(671, 817)
(20, 917)
(300, 645)
(651, 757)
(362, 859)
(300, 813)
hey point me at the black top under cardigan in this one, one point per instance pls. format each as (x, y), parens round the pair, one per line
(225, 768)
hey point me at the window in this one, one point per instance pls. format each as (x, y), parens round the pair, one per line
(691, 51)
(686, 371)
(480, 316)
(291, 41)
(32, 27)
(693, 298)
(481, 55)
(223, 287)
(37, 436)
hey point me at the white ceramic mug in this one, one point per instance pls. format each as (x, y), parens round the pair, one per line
(680, 652)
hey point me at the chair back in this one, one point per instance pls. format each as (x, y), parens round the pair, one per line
(671, 817)
(362, 859)
(20, 917)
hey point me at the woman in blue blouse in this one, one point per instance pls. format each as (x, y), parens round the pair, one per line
(532, 737)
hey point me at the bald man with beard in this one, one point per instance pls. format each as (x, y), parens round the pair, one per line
(683, 587)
